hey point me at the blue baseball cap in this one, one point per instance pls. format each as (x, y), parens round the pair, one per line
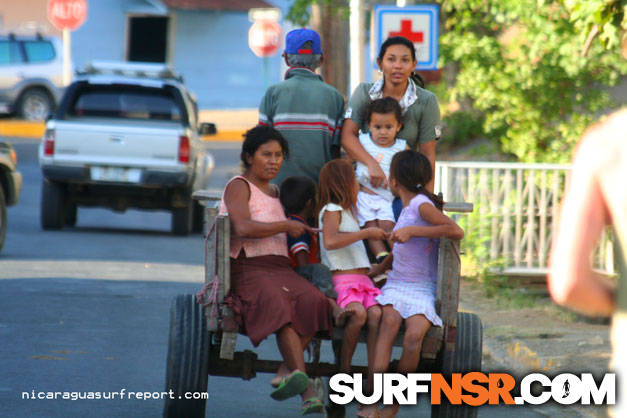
(295, 40)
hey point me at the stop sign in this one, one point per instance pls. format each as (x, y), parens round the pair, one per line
(264, 37)
(67, 14)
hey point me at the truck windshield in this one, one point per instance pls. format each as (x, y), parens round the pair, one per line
(128, 102)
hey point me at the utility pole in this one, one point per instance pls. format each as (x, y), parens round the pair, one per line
(357, 27)
(333, 30)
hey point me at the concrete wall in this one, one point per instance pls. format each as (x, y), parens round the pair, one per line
(103, 35)
(211, 51)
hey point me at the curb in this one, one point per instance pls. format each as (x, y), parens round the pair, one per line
(25, 129)
(227, 136)
(22, 129)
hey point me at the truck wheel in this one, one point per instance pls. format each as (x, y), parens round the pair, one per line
(3, 218)
(187, 370)
(199, 217)
(182, 219)
(34, 104)
(466, 358)
(52, 205)
(71, 214)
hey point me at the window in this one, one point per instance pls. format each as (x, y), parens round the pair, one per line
(127, 102)
(9, 53)
(39, 51)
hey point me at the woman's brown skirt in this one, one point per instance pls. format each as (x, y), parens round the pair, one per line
(267, 294)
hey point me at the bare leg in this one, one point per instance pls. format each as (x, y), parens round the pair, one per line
(390, 323)
(339, 314)
(416, 327)
(374, 319)
(283, 368)
(376, 245)
(291, 348)
(351, 334)
(387, 226)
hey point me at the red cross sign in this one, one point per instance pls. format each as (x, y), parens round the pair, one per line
(407, 32)
(418, 23)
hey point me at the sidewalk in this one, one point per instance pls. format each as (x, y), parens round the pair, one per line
(231, 125)
(542, 338)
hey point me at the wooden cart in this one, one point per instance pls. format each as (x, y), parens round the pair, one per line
(202, 338)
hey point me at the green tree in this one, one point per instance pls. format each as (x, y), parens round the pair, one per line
(520, 64)
(604, 19)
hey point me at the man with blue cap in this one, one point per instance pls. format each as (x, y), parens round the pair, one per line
(306, 110)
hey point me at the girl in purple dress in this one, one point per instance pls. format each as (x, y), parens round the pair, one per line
(409, 293)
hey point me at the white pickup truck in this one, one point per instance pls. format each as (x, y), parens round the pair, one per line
(125, 136)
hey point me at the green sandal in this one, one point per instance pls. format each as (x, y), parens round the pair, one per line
(292, 385)
(312, 405)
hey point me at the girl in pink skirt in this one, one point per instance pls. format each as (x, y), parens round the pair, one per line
(342, 250)
(409, 292)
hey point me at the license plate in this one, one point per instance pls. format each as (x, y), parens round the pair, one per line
(116, 174)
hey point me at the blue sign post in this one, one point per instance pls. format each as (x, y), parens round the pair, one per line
(417, 23)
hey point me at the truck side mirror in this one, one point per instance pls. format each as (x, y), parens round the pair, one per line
(207, 129)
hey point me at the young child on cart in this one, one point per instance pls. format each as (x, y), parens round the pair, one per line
(298, 198)
(374, 204)
(344, 253)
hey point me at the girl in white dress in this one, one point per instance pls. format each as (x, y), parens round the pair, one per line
(342, 250)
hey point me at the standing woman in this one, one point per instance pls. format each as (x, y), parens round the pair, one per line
(267, 296)
(421, 112)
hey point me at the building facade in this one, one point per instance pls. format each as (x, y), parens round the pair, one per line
(204, 40)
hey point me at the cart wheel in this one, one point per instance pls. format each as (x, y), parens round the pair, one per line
(466, 358)
(188, 359)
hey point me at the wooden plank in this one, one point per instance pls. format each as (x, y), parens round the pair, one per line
(211, 311)
(464, 207)
(208, 194)
(447, 293)
(221, 228)
(227, 346)
(223, 267)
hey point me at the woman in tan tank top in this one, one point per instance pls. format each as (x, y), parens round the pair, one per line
(266, 294)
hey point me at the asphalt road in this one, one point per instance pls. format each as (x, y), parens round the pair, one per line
(86, 309)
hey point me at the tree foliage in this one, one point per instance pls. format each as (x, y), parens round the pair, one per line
(300, 10)
(520, 63)
(599, 18)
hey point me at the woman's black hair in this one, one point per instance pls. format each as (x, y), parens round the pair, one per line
(401, 40)
(259, 135)
(413, 170)
(295, 192)
(384, 106)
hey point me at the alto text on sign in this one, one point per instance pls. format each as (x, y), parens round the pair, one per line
(67, 14)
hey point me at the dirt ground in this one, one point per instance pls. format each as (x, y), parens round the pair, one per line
(558, 340)
(522, 334)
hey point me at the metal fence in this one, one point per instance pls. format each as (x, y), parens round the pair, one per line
(516, 210)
